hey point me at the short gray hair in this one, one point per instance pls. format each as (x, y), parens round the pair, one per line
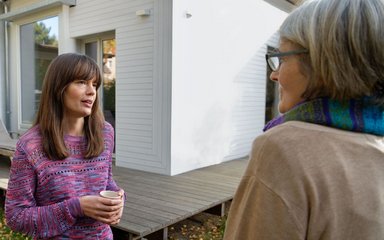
(345, 39)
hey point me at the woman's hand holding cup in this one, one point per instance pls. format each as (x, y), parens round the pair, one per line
(106, 208)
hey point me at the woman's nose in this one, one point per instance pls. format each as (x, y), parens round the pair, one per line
(91, 89)
(274, 76)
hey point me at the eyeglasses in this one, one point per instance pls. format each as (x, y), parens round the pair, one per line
(274, 58)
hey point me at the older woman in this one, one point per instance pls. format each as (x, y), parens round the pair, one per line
(317, 171)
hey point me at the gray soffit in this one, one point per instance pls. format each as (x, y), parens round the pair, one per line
(23, 11)
(284, 5)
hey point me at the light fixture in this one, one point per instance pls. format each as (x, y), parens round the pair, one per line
(143, 12)
(188, 14)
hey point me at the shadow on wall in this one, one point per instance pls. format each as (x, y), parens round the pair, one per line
(255, 102)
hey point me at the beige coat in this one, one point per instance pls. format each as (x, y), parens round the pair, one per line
(306, 181)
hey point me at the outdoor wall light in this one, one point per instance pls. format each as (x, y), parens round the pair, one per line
(143, 12)
(188, 14)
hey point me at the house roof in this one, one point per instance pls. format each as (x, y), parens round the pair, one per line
(285, 5)
(294, 2)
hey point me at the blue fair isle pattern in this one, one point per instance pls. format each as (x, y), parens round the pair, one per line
(353, 115)
(374, 119)
(340, 114)
(42, 199)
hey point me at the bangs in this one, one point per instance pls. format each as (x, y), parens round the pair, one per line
(87, 69)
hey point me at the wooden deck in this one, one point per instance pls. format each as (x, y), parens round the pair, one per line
(156, 201)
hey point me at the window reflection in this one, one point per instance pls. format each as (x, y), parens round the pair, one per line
(109, 74)
(38, 47)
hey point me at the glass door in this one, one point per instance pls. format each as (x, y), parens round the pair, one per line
(103, 51)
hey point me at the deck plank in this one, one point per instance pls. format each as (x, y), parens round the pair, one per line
(171, 195)
(155, 201)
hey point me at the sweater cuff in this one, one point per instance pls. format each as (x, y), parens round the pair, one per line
(75, 208)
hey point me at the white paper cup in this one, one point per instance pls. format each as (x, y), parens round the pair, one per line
(109, 194)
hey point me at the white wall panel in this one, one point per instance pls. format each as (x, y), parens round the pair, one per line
(219, 79)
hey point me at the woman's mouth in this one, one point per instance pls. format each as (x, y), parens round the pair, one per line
(87, 103)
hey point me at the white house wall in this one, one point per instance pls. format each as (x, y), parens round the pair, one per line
(218, 78)
(142, 137)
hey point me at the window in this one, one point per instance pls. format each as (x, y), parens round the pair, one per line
(107, 52)
(103, 51)
(271, 98)
(38, 47)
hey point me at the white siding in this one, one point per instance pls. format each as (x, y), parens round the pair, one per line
(138, 81)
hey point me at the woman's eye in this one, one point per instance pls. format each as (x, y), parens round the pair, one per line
(82, 82)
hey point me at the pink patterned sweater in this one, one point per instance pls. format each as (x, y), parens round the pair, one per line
(43, 195)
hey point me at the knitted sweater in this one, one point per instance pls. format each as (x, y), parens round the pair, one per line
(308, 182)
(43, 195)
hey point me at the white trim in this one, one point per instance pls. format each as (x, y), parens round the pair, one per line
(163, 88)
(166, 87)
(36, 7)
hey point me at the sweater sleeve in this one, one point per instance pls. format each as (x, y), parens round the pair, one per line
(21, 210)
(110, 143)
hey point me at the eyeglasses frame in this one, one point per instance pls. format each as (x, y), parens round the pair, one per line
(282, 54)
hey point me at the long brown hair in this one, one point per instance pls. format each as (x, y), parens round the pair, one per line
(63, 70)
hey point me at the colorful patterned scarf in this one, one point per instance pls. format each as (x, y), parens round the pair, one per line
(352, 115)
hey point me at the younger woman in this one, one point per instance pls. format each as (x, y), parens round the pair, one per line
(64, 161)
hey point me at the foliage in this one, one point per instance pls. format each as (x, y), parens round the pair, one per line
(109, 96)
(42, 35)
(109, 47)
(43, 38)
(6, 233)
(203, 226)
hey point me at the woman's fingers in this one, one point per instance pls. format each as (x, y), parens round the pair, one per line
(102, 209)
(109, 201)
(108, 220)
(121, 192)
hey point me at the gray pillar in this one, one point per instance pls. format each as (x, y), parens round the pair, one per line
(2, 68)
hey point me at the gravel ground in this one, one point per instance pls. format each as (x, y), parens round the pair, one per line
(203, 226)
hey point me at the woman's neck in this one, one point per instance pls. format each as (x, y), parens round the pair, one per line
(73, 126)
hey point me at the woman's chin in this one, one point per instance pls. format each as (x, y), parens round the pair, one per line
(281, 108)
